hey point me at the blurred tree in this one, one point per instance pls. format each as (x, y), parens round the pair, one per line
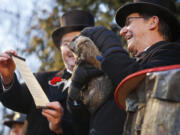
(41, 42)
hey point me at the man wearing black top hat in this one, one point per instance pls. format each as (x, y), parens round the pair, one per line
(151, 31)
(17, 97)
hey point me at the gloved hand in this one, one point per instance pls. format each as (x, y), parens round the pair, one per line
(106, 40)
(81, 76)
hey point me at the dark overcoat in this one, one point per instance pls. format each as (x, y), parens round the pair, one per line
(109, 119)
(18, 98)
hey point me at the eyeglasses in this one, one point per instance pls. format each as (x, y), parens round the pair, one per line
(129, 20)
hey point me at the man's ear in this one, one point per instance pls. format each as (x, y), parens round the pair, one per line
(153, 22)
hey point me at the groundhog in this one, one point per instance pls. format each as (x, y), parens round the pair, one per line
(99, 88)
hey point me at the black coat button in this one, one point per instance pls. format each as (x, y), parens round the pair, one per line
(92, 131)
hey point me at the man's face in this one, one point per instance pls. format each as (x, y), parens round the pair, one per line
(17, 129)
(134, 30)
(67, 55)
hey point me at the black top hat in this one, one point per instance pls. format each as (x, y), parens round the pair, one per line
(74, 20)
(15, 118)
(165, 9)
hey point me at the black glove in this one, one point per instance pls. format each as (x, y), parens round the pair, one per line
(81, 76)
(106, 40)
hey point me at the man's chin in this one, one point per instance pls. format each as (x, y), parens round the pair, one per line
(70, 69)
(132, 50)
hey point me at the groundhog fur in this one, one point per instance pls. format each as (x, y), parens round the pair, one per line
(99, 88)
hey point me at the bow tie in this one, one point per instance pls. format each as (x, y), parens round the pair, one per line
(66, 75)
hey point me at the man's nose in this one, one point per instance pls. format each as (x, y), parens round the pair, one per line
(123, 31)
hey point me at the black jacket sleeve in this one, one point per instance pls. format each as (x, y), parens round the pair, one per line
(17, 98)
(119, 65)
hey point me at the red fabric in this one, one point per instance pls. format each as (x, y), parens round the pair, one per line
(55, 80)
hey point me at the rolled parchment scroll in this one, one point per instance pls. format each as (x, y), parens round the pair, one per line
(34, 87)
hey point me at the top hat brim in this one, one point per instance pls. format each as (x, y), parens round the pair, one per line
(128, 84)
(10, 123)
(145, 7)
(58, 33)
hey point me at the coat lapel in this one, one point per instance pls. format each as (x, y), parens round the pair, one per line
(59, 93)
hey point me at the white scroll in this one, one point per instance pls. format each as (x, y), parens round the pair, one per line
(34, 87)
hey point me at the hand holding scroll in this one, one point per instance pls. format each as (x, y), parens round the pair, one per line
(54, 115)
(7, 66)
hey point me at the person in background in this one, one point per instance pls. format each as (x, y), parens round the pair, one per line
(3, 111)
(17, 123)
(57, 119)
(72, 23)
